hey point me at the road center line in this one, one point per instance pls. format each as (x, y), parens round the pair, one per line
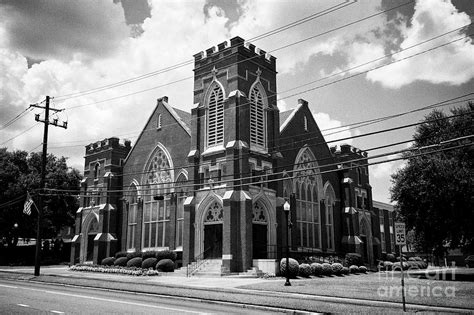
(57, 312)
(24, 305)
(106, 300)
(8, 286)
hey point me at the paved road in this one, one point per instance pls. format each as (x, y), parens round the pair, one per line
(35, 298)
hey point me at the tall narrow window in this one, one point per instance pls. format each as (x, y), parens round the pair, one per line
(181, 191)
(330, 201)
(132, 217)
(96, 170)
(158, 122)
(215, 116)
(382, 231)
(257, 116)
(305, 123)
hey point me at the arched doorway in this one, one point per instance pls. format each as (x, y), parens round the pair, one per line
(213, 219)
(89, 233)
(259, 231)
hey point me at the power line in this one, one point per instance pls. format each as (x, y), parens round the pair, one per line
(177, 168)
(247, 59)
(188, 62)
(317, 168)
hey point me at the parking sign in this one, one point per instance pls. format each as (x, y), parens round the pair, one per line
(400, 238)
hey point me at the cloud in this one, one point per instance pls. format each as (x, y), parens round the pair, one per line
(452, 64)
(45, 29)
(332, 129)
(156, 48)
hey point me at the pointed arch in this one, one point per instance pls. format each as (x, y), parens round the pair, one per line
(157, 180)
(133, 199)
(258, 121)
(181, 191)
(330, 201)
(214, 103)
(309, 191)
(207, 202)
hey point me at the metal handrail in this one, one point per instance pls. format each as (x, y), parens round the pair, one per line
(199, 260)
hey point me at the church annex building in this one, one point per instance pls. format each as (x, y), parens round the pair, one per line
(213, 182)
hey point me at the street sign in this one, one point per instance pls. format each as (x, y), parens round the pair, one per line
(400, 238)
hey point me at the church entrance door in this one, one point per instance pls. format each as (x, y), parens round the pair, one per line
(259, 238)
(213, 240)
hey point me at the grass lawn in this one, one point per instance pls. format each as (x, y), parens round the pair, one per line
(384, 286)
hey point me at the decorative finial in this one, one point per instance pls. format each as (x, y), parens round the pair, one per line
(214, 72)
(258, 72)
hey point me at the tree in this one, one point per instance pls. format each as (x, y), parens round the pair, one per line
(434, 191)
(19, 173)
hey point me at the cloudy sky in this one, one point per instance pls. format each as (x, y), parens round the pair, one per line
(69, 50)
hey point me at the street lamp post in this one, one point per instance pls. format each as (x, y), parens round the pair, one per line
(286, 208)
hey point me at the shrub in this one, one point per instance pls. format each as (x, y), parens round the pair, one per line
(293, 268)
(166, 254)
(165, 265)
(121, 261)
(411, 259)
(305, 270)
(353, 269)
(416, 258)
(396, 266)
(316, 269)
(345, 270)
(135, 262)
(337, 269)
(109, 261)
(387, 265)
(353, 259)
(120, 254)
(149, 254)
(327, 269)
(362, 269)
(130, 256)
(149, 263)
(391, 257)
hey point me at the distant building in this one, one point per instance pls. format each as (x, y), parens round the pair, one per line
(213, 182)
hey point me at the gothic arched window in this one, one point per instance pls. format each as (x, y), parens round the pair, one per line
(307, 181)
(215, 115)
(156, 213)
(257, 116)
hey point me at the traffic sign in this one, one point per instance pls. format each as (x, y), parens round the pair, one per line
(400, 238)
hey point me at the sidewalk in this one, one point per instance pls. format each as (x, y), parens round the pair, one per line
(247, 292)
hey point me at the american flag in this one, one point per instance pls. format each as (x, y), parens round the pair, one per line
(28, 203)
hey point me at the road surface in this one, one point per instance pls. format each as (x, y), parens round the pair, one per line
(35, 298)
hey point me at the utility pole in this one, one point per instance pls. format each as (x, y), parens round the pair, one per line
(43, 173)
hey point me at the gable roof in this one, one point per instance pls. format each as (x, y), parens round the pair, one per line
(184, 119)
(288, 115)
(185, 116)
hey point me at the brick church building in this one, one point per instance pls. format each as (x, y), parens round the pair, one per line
(212, 183)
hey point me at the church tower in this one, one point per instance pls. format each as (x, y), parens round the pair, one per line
(235, 126)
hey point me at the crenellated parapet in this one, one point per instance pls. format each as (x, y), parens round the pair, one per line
(348, 150)
(232, 46)
(106, 144)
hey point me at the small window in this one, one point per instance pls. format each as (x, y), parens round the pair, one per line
(158, 122)
(96, 170)
(305, 123)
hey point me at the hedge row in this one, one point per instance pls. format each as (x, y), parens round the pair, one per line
(159, 255)
(156, 260)
(317, 269)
